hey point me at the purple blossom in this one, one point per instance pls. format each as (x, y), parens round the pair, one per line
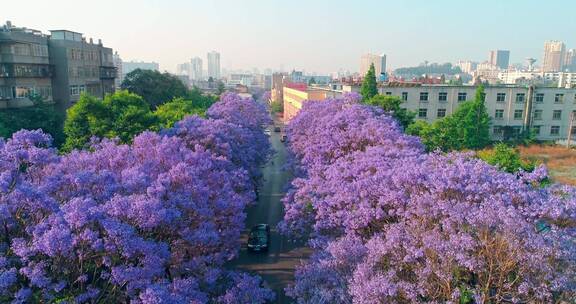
(144, 222)
(392, 224)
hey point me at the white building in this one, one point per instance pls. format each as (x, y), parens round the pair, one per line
(129, 66)
(379, 62)
(183, 69)
(120, 75)
(570, 61)
(512, 109)
(243, 79)
(213, 64)
(467, 66)
(196, 68)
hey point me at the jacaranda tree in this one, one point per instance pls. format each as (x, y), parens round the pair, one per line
(392, 224)
(153, 221)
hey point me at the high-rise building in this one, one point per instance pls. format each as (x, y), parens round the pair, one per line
(379, 62)
(553, 56)
(119, 75)
(183, 69)
(570, 60)
(196, 68)
(213, 64)
(499, 58)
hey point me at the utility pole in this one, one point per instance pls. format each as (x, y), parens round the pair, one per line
(570, 126)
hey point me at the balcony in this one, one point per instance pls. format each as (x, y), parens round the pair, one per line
(26, 70)
(107, 72)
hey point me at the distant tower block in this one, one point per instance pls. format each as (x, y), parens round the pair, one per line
(530, 62)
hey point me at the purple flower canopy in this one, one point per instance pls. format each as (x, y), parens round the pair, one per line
(149, 222)
(392, 224)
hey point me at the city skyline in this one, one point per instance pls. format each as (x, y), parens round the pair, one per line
(255, 34)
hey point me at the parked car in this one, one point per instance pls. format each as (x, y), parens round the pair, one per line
(277, 129)
(283, 138)
(259, 238)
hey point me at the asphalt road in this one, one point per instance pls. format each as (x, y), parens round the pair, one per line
(277, 265)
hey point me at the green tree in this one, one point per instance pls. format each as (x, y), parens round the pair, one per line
(120, 115)
(276, 107)
(171, 112)
(467, 128)
(392, 104)
(39, 116)
(220, 88)
(475, 121)
(156, 88)
(506, 158)
(311, 81)
(369, 88)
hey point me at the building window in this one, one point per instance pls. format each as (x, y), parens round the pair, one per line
(497, 130)
(520, 97)
(499, 114)
(404, 96)
(423, 96)
(573, 133)
(518, 114)
(442, 96)
(441, 113)
(501, 97)
(422, 113)
(388, 93)
(536, 130)
(559, 98)
(555, 130)
(574, 98)
(557, 115)
(22, 92)
(462, 96)
(74, 90)
(516, 131)
(537, 114)
(81, 89)
(540, 98)
(6, 93)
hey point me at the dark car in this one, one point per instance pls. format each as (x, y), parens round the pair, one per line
(277, 129)
(283, 138)
(259, 238)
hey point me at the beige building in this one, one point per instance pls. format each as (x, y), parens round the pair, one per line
(296, 96)
(379, 62)
(553, 56)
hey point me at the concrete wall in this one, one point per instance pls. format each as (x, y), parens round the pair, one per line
(509, 105)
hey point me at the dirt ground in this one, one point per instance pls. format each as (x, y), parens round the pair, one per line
(561, 161)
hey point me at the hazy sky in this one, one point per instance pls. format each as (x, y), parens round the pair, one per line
(314, 35)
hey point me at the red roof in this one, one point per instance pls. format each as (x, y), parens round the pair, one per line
(296, 86)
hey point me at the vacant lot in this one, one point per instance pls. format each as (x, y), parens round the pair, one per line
(561, 161)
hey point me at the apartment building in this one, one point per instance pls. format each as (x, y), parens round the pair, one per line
(513, 109)
(80, 66)
(56, 67)
(25, 68)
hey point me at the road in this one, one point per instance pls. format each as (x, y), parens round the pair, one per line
(277, 265)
